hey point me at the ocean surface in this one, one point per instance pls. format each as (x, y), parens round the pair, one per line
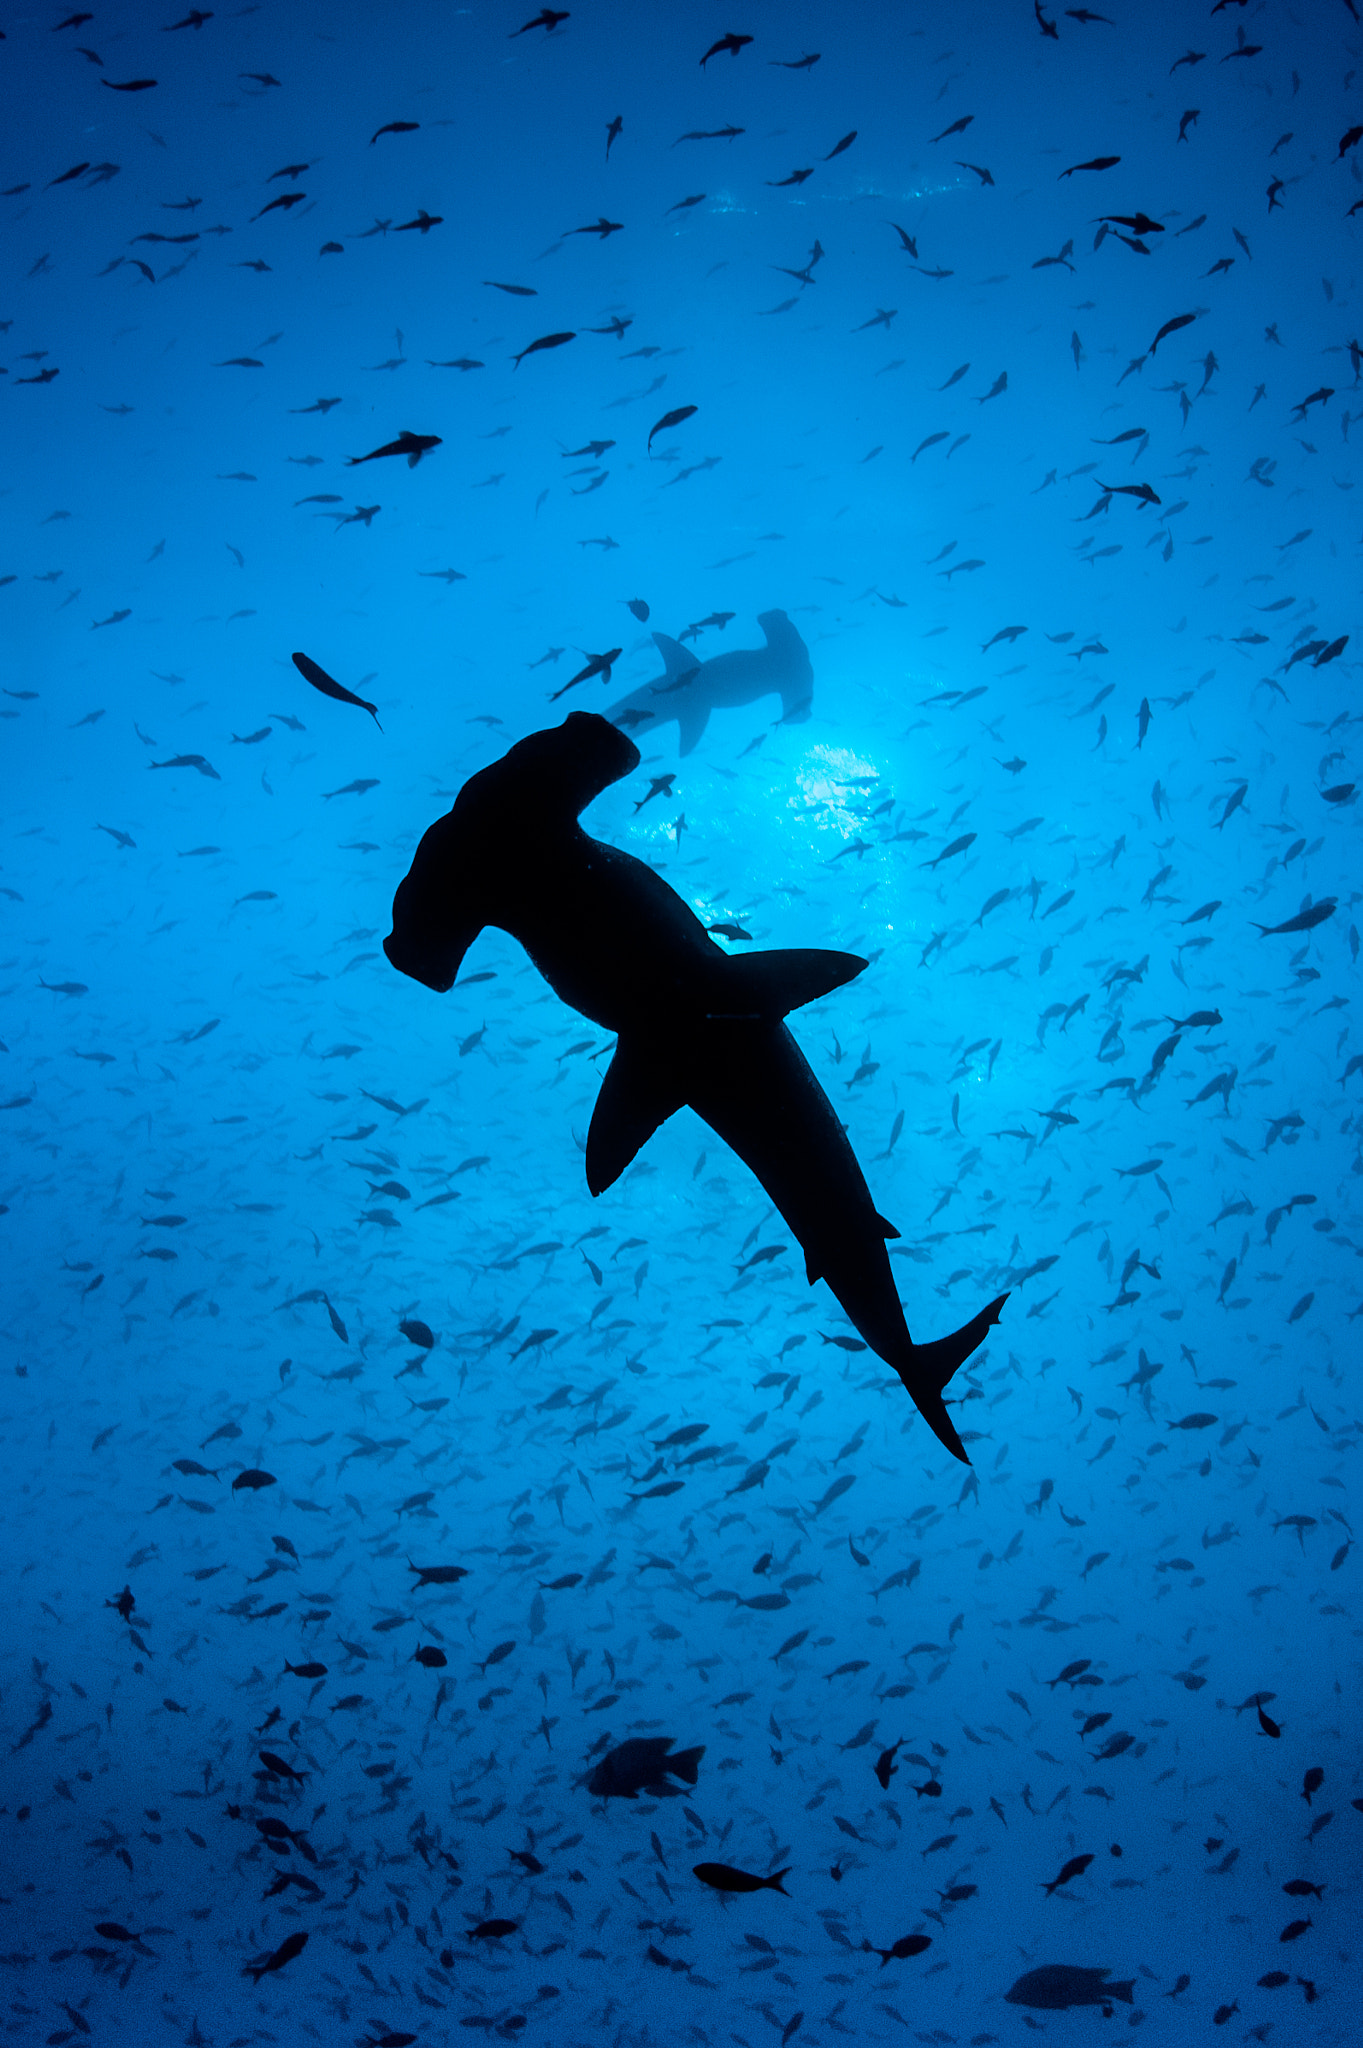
(368, 1484)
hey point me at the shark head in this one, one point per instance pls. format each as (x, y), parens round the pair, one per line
(568, 766)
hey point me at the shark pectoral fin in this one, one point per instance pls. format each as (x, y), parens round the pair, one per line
(692, 719)
(785, 980)
(641, 1091)
(887, 1229)
(930, 1367)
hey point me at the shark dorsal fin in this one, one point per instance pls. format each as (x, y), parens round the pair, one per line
(678, 661)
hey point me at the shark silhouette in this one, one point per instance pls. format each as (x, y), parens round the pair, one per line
(694, 1026)
(690, 689)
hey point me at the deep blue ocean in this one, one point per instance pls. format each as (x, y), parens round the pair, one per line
(971, 396)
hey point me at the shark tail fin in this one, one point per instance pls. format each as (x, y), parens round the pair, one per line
(786, 979)
(930, 1367)
(642, 1089)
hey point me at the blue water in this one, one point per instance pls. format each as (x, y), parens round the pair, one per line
(230, 1126)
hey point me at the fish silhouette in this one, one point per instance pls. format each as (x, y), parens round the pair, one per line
(695, 1026)
(690, 689)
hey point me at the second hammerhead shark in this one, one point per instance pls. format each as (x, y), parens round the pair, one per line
(690, 689)
(694, 1026)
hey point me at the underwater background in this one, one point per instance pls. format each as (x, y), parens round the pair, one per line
(1014, 357)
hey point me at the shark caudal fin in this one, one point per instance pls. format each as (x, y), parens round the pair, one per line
(773, 983)
(641, 1091)
(930, 1367)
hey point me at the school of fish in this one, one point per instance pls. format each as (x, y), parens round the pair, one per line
(614, 1626)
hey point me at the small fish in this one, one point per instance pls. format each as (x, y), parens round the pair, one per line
(545, 341)
(723, 1877)
(672, 419)
(437, 1574)
(1076, 1867)
(1095, 163)
(907, 1945)
(312, 673)
(291, 1946)
(413, 446)
(1172, 326)
(1304, 921)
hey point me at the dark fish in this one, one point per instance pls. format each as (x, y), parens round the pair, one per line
(1057, 1986)
(1171, 327)
(493, 1930)
(394, 128)
(906, 1946)
(672, 419)
(197, 761)
(732, 43)
(1095, 163)
(413, 446)
(545, 341)
(886, 1766)
(722, 1877)
(1076, 1867)
(277, 1767)
(320, 680)
(644, 1764)
(291, 1946)
(253, 1479)
(1304, 921)
(960, 845)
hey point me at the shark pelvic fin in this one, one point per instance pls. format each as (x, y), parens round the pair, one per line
(774, 983)
(641, 1091)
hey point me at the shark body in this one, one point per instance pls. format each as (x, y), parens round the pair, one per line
(694, 1025)
(690, 689)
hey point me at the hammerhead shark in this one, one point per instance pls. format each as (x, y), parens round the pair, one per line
(690, 689)
(693, 1024)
